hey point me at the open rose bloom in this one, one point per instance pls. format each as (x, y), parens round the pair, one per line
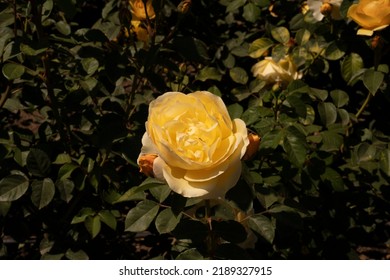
(371, 15)
(192, 144)
(283, 71)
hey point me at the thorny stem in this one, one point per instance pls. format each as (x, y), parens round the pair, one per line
(377, 57)
(63, 130)
(361, 110)
(4, 97)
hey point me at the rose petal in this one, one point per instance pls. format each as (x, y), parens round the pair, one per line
(214, 187)
(147, 146)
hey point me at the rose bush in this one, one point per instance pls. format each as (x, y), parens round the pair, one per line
(371, 15)
(198, 146)
(283, 71)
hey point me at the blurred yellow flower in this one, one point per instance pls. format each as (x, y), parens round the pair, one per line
(198, 147)
(321, 8)
(371, 15)
(283, 71)
(138, 11)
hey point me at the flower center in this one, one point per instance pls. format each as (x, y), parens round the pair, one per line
(194, 141)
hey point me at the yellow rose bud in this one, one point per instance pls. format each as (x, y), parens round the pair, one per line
(304, 8)
(371, 15)
(283, 71)
(198, 147)
(145, 164)
(138, 11)
(254, 143)
(326, 9)
(321, 8)
(184, 6)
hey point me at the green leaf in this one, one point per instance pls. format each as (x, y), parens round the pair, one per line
(4, 208)
(166, 221)
(328, 113)
(209, 73)
(239, 75)
(108, 218)
(340, 98)
(350, 66)
(13, 187)
(344, 116)
(281, 34)
(38, 162)
(272, 139)
(5, 35)
(333, 178)
(65, 187)
(298, 105)
(263, 226)
(133, 193)
(258, 47)
(6, 18)
(140, 217)
(295, 146)
(47, 7)
(63, 27)
(372, 80)
(82, 215)
(45, 245)
(42, 192)
(331, 141)
(62, 159)
(297, 86)
(29, 50)
(235, 111)
(90, 65)
(384, 161)
(66, 170)
(319, 93)
(78, 255)
(251, 12)
(241, 93)
(93, 225)
(235, 5)
(161, 193)
(365, 152)
(190, 254)
(334, 51)
(13, 71)
(302, 36)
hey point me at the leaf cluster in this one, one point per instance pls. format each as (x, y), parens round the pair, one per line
(76, 81)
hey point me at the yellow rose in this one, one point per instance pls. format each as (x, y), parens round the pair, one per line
(371, 15)
(283, 71)
(198, 147)
(321, 8)
(137, 9)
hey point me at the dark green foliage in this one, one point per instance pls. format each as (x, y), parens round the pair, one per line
(75, 85)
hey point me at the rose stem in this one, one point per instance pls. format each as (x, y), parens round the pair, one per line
(210, 238)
